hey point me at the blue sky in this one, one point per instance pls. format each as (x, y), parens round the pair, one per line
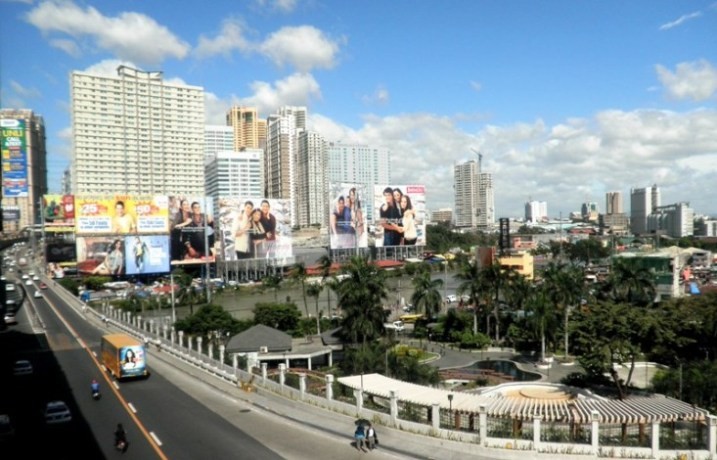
(566, 100)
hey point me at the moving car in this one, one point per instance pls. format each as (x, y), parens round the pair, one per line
(6, 428)
(22, 367)
(37, 295)
(10, 318)
(57, 412)
(43, 285)
(451, 298)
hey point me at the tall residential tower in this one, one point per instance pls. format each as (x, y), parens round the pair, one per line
(135, 133)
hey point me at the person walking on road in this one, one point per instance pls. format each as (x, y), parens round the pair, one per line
(360, 436)
(371, 437)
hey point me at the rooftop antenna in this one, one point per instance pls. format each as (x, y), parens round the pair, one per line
(480, 159)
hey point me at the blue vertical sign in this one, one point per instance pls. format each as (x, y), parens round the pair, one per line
(14, 158)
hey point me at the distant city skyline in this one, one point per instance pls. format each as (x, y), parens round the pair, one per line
(566, 101)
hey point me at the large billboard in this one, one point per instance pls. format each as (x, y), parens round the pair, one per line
(14, 158)
(122, 254)
(191, 223)
(11, 213)
(347, 216)
(255, 228)
(58, 213)
(120, 214)
(400, 215)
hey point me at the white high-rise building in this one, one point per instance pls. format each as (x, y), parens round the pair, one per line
(312, 183)
(613, 203)
(643, 202)
(217, 138)
(235, 174)
(536, 211)
(474, 199)
(359, 164)
(675, 220)
(135, 133)
(282, 137)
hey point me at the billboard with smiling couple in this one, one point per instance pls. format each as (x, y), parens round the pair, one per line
(348, 215)
(399, 215)
(254, 228)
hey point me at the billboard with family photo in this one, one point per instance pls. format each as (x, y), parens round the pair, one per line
(254, 228)
(399, 215)
(191, 222)
(120, 214)
(347, 215)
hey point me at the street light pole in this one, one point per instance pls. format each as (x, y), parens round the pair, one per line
(174, 312)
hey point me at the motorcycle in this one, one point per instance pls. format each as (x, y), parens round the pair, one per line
(121, 445)
(96, 395)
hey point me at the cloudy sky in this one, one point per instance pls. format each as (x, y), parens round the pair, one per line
(566, 100)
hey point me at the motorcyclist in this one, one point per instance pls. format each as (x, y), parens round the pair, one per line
(120, 438)
(95, 387)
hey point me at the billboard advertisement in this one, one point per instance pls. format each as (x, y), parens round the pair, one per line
(255, 228)
(100, 255)
(14, 158)
(120, 214)
(122, 254)
(191, 223)
(11, 213)
(58, 213)
(347, 215)
(146, 254)
(400, 215)
(60, 251)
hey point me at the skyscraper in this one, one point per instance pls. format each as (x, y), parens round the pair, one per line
(235, 174)
(218, 138)
(474, 200)
(249, 130)
(135, 133)
(613, 203)
(312, 184)
(643, 202)
(24, 163)
(536, 211)
(282, 135)
(359, 164)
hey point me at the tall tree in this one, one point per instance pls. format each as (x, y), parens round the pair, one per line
(298, 275)
(361, 295)
(471, 284)
(427, 296)
(314, 290)
(272, 281)
(630, 282)
(566, 284)
(325, 264)
(542, 314)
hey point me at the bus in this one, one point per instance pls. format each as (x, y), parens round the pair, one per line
(123, 356)
(411, 318)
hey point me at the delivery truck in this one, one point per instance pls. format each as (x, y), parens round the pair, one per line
(124, 356)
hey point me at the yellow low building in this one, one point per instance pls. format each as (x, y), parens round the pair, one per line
(521, 262)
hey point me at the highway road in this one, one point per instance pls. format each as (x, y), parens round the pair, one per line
(169, 415)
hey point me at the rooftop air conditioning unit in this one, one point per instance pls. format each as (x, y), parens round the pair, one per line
(263, 349)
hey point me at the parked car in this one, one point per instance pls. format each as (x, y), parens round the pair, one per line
(451, 298)
(22, 367)
(57, 412)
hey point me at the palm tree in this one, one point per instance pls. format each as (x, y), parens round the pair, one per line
(427, 296)
(631, 283)
(542, 313)
(565, 284)
(314, 290)
(361, 296)
(272, 281)
(298, 275)
(471, 284)
(325, 264)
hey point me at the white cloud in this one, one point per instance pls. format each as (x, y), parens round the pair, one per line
(296, 89)
(681, 20)
(229, 39)
(68, 46)
(108, 67)
(476, 86)
(23, 92)
(129, 36)
(284, 6)
(695, 80)
(304, 48)
(380, 96)
(566, 164)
